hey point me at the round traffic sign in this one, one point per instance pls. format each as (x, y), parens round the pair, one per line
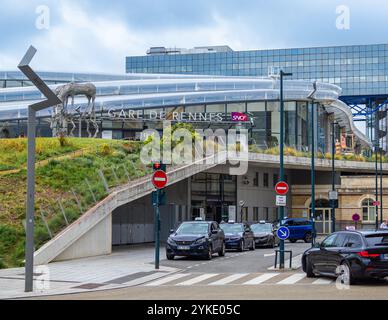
(356, 217)
(283, 233)
(159, 179)
(282, 188)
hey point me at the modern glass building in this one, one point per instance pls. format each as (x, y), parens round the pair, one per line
(126, 107)
(360, 70)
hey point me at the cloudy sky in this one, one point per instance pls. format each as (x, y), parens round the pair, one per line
(96, 35)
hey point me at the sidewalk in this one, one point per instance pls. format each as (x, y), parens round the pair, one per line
(126, 267)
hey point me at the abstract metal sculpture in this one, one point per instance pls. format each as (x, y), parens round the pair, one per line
(61, 116)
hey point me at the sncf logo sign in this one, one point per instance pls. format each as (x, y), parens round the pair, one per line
(239, 117)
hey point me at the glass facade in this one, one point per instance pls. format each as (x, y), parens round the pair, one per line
(358, 70)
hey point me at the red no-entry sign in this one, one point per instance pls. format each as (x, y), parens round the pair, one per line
(282, 188)
(159, 179)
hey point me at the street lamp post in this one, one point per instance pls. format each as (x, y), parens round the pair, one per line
(381, 186)
(313, 170)
(377, 147)
(281, 209)
(52, 100)
(333, 176)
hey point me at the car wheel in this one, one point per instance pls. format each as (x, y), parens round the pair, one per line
(309, 269)
(273, 244)
(308, 238)
(242, 246)
(293, 240)
(345, 275)
(222, 251)
(170, 257)
(253, 247)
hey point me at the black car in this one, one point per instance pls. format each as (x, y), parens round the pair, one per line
(196, 239)
(238, 236)
(264, 234)
(352, 255)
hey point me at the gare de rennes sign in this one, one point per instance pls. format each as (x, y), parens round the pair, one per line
(177, 116)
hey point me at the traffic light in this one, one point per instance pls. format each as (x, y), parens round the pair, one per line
(159, 166)
(162, 193)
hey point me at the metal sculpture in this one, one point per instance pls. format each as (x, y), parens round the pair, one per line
(61, 116)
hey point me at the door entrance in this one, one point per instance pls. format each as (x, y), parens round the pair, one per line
(323, 220)
(322, 216)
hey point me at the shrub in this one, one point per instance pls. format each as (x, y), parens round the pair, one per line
(272, 151)
(2, 264)
(288, 151)
(62, 140)
(106, 150)
(328, 156)
(8, 237)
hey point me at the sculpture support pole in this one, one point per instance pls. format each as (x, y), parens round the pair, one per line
(29, 264)
(52, 100)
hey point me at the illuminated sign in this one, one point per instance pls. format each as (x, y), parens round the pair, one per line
(133, 115)
(239, 117)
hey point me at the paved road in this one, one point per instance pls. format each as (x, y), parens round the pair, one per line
(237, 276)
(238, 292)
(246, 262)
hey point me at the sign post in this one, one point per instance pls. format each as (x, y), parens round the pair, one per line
(356, 217)
(282, 189)
(159, 180)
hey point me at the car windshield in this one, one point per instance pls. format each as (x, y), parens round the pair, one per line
(193, 228)
(377, 240)
(265, 227)
(232, 228)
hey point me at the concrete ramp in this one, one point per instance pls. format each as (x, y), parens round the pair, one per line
(91, 234)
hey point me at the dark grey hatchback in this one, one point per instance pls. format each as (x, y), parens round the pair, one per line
(196, 239)
(352, 255)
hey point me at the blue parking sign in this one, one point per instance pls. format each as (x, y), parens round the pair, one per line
(283, 233)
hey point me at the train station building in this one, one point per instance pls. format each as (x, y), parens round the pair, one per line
(128, 104)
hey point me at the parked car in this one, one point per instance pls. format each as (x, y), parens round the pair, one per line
(264, 234)
(197, 239)
(352, 255)
(300, 229)
(238, 236)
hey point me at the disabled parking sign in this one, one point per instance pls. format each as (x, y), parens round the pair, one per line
(283, 233)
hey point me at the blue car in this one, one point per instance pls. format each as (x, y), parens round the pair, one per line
(300, 229)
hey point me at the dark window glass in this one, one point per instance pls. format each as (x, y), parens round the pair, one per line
(256, 180)
(266, 180)
(330, 241)
(353, 241)
(340, 240)
(377, 239)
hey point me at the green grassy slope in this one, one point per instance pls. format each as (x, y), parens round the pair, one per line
(56, 180)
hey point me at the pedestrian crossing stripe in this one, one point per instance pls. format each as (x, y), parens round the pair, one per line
(244, 279)
(262, 278)
(229, 279)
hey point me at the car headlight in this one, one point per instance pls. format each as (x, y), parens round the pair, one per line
(170, 241)
(200, 241)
